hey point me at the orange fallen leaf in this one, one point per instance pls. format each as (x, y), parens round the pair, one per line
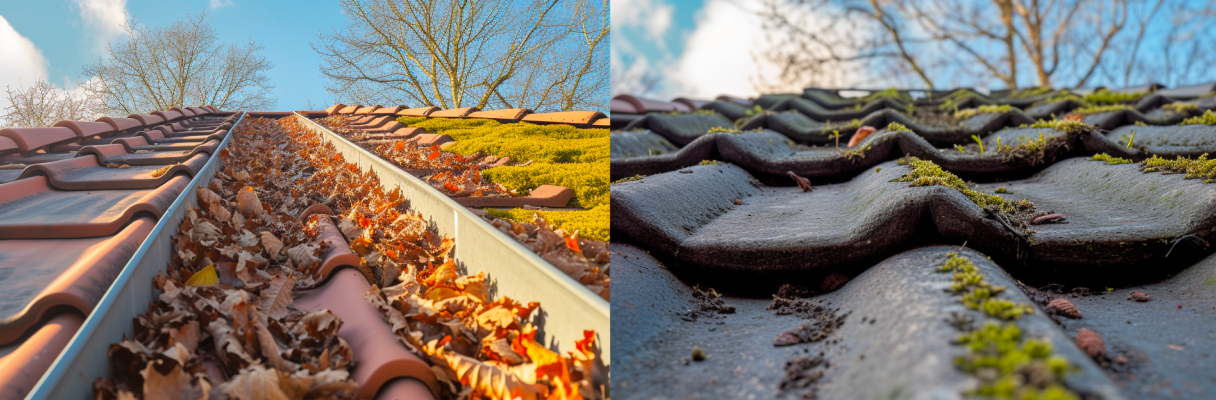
(433, 155)
(572, 242)
(400, 145)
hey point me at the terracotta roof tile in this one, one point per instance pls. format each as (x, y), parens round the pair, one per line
(348, 109)
(602, 123)
(404, 389)
(8, 145)
(148, 119)
(645, 105)
(418, 112)
(339, 253)
(32, 209)
(374, 121)
(622, 106)
(30, 139)
(381, 355)
(542, 196)
(61, 272)
(183, 111)
(733, 99)
(21, 369)
(366, 110)
(121, 124)
(453, 113)
(85, 129)
(334, 108)
(503, 115)
(168, 115)
(388, 110)
(691, 104)
(432, 139)
(566, 117)
(87, 173)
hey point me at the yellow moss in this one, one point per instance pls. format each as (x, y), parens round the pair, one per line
(971, 112)
(1208, 118)
(592, 224)
(1110, 159)
(1104, 97)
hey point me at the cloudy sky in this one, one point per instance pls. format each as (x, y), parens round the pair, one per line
(55, 38)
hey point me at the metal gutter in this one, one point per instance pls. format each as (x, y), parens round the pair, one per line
(566, 306)
(87, 356)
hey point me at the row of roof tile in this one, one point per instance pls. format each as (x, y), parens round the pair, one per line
(579, 118)
(76, 201)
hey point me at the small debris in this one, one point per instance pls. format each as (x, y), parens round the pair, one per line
(803, 372)
(738, 202)
(833, 281)
(1120, 359)
(1175, 347)
(698, 355)
(1064, 307)
(1052, 218)
(803, 183)
(1139, 296)
(1092, 343)
(791, 291)
(814, 330)
(709, 302)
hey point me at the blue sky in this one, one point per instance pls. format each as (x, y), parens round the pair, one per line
(71, 33)
(702, 48)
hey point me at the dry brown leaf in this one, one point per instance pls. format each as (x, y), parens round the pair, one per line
(276, 297)
(303, 257)
(175, 384)
(271, 244)
(247, 202)
(254, 383)
(159, 172)
(207, 196)
(219, 212)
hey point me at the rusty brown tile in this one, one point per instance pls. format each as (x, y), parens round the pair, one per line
(137, 143)
(388, 110)
(453, 113)
(349, 109)
(418, 112)
(404, 389)
(121, 124)
(87, 173)
(334, 108)
(168, 115)
(8, 146)
(645, 105)
(365, 110)
(148, 119)
(542, 196)
(30, 139)
(566, 117)
(154, 158)
(21, 368)
(622, 107)
(339, 253)
(392, 126)
(374, 122)
(61, 272)
(184, 111)
(381, 355)
(432, 139)
(32, 209)
(504, 115)
(84, 129)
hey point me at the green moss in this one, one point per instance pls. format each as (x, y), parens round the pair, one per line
(1060, 96)
(1110, 159)
(1208, 118)
(629, 179)
(1002, 360)
(971, 112)
(892, 93)
(1199, 168)
(1101, 109)
(1106, 97)
(1180, 107)
(857, 153)
(855, 123)
(1030, 92)
(1001, 190)
(591, 224)
(562, 155)
(926, 173)
(1064, 125)
(997, 353)
(717, 129)
(754, 111)
(895, 126)
(709, 162)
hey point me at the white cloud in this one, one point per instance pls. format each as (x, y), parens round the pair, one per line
(23, 63)
(652, 16)
(723, 53)
(221, 3)
(105, 17)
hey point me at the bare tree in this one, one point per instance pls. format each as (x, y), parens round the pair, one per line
(43, 104)
(182, 64)
(539, 54)
(1011, 42)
